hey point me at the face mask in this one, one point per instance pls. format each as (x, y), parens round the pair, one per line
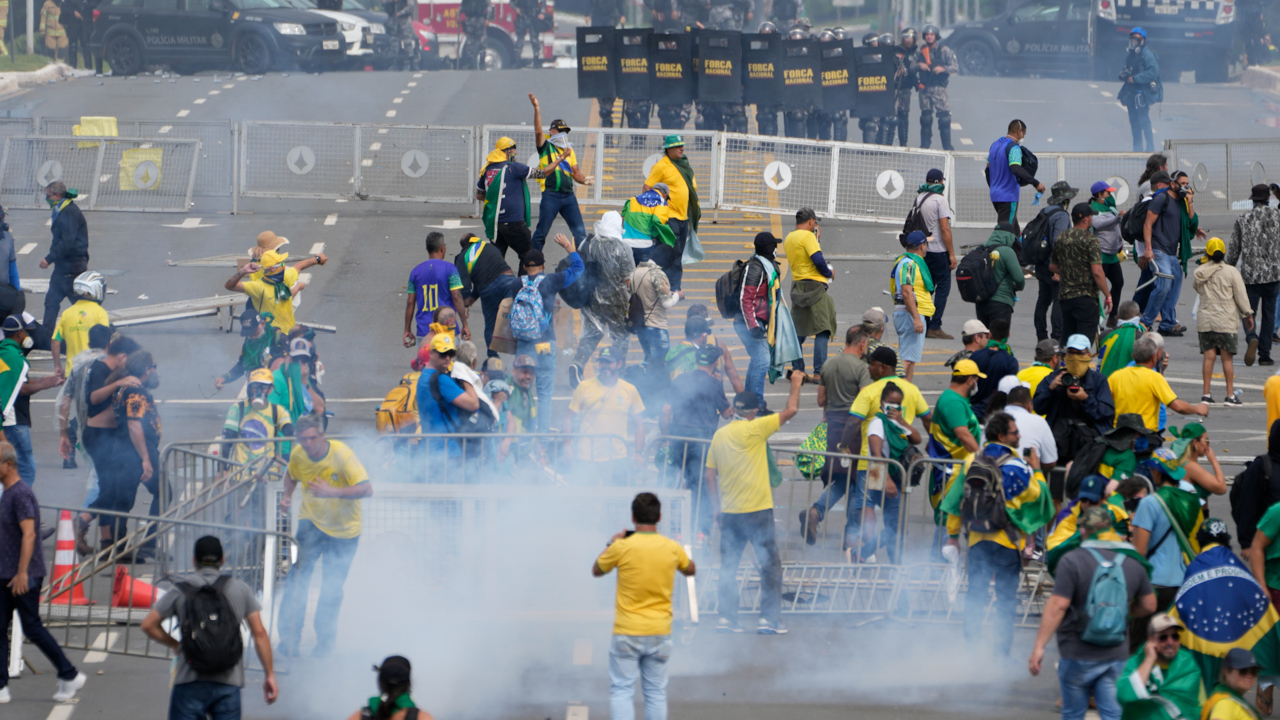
(258, 397)
(52, 202)
(1078, 365)
(1132, 505)
(152, 382)
(275, 276)
(1134, 44)
(28, 343)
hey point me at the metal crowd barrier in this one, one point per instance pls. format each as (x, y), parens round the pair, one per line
(98, 603)
(112, 173)
(1223, 171)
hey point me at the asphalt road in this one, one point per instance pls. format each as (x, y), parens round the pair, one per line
(827, 667)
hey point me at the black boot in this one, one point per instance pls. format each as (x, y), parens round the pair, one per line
(926, 130)
(944, 130)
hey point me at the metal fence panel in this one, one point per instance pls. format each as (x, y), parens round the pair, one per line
(416, 162)
(1119, 170)
(1252, 162)
(776, 175)
(1207, 163)
(110, 173)
(217, 145)
(879, 183)
(298, 159)
(971, 198)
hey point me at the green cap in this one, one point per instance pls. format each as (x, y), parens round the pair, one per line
(671, 141)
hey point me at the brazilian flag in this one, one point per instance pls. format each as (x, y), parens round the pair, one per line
(1223, 607)
(1027, 500)
(645, 216)
(1065, 536)
(494, 192)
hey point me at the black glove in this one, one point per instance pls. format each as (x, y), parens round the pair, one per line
(757, 332)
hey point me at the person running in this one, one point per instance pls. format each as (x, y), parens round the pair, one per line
(485, 277)
(1224, 300)
(1077, 261)
(68, 248)
(912, 288)
(256, 418)
(260, 342)
(737, 476)
(557, 196)
(812, 309)
(71, 335)
(675, 171)
(196, 694)
(761, 292)
(503, 190)
(393, 701)
(543, 347)
(1006, 176)
(641, 645)
(22, 573)
(606, 405)
(329, 522)
(433, 284)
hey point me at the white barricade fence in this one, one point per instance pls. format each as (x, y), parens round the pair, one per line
(1223, 171)
(349, 160)
(111, 173)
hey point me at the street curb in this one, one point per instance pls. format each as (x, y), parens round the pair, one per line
(9, 82)
(1263, 78)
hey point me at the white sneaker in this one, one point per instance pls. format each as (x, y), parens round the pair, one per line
(67, 688)
(5, 695)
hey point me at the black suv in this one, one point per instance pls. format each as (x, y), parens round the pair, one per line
(253, 36)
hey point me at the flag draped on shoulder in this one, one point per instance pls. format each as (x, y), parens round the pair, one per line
(1172, 693)
(494, 194)
(1223, 607)
(1027, 500)
(645, 216)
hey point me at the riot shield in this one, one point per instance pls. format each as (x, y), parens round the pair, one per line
(801, 74)
(632, 45)
(671, 80)
(720, 66)
(838, 73)
(875, 68)
(596, 62)
(762, 60)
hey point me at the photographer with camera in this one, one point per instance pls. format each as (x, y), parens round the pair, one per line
(1075, 400)
(1141, 89)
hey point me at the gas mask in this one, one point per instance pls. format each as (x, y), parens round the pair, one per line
(1134, 43)
(257, 393)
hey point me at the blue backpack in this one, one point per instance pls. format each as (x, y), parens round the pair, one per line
(1106, 609)
(529, 318)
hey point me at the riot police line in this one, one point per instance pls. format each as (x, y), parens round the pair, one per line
(818, 83)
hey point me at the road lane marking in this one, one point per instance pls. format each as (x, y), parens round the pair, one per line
(97, 649)
(190, 223)
(61, 712)
(417, 75)
(228, 86)
(27, 248)
(966, 141)
(183, 113)
(404, 92)
(1095, 87)
(332, 219)
(215, 92)
(956, 126)
(413, 84)
(164, 129)
(198, 101)
(317, 248)
(1105, 93)
(391, 113)
(397, 101)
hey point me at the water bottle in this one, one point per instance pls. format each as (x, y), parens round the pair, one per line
(1036, 201)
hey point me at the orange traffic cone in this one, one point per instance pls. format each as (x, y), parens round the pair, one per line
(64, 566)
(126, 592)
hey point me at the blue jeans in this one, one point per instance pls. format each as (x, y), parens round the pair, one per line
(544, 376)
(940, 268)
(1140, 126)
(1143, 296)
(987, 559)
(819, 352)
(564, 204)
(645, 656)
(758, 351)
(491, 298)
(27, 606)
(200, 699)
(675, 270)
(313, 544)
(1164, 298)
(656, 343)
(863, 498)
(19, 436)
(1080, 679)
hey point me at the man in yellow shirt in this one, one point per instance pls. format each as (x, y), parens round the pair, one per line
(912, 288)
(1140, 389)
(738, 474)
(333, 484)
(603, 406)
(812, 309)
(647, 563)
(676, 173)
(275, 292)
(71, 335)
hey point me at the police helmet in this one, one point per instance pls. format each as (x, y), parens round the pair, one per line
(870, 39)
(937, 34)
(805, 23)
(797, 33)
(908, 34)
(886, 40)
(767, 27)
(838, 32)
(826, 36)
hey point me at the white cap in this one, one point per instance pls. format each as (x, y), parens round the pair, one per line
(975, 327)
(1009, 382)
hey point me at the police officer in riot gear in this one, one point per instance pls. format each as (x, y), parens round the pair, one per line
(831, 124)
(666, 15)
(884, 135)
(531, 19)
(800, 122)
(695, 13)
(786, 13)
(609, 13)
(870, 127)
(934, 65)
(406, 47)
(674, 117)
(905, 84)
(475, 18)
(767, 115)
(731, 15)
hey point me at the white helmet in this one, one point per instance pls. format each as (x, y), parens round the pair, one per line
(90, 285)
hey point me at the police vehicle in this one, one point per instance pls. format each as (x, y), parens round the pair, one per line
(1088, 38)
(252, 36)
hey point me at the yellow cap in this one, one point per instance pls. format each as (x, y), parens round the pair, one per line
(272, 258)
(968, 367)
(262, 375)
(504, 143)
(443, 343)
(1215, 245)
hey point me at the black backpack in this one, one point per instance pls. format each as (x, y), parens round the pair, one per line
(1134, 221)
(1252, 492)
(1036, 246)
(729, 290)
(211, 641)
(983, 507)
(915, 218)
(975, 279)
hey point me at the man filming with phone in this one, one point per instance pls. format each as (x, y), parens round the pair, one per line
(1075, 400)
